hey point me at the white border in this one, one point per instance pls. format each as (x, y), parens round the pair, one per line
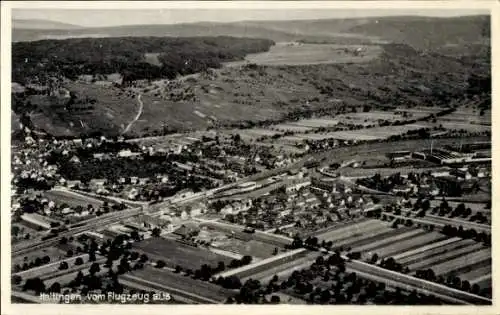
(38, 309)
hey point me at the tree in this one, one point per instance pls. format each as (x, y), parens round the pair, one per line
(221, 266)
(45, 259)
(134, 255)
(92, 256)
(374, 258)
(143, 258)
(69, 253)
(16, 279)
(63, 265)
(245, 260)
(55, 288)
(78, 261)
(275, 299)
(178, 269)
(160, 264)
(156, 232)
(426, 204)
(34, 284)
(94, 268)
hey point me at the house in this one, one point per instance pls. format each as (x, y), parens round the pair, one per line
(187, 230)
(297, 184)
(401, 189)
(132, 194)
(461, 173)
(127, 153)
(96, 183)
(73, 183)
(197, 209)
(74, 159)
(153, 222)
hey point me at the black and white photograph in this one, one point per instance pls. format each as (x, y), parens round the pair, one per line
(247, 155)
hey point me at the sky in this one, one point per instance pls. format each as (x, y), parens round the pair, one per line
(113, 17)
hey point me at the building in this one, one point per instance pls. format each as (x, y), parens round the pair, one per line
(297, 184)
(461, 173)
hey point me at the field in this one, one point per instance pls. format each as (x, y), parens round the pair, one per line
(167, 279)
(112, 110)
(175, 253)
(73, 200)
(305, 54)
(362, 134)
(53, 252)
(416, 249)
(252, 247)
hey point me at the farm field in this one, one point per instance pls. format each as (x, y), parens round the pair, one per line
(316, 122)
(465, 126)
(286, 269)
(361, 172)
(351, 227)
(290, 127)
(362, 134)
(469, 116)
(53, 252)
(284, 53)
(475, 207)
(175, 253)
(409, 244)
(472, 260)
(166, 279)
(73, 200)
(252, 247)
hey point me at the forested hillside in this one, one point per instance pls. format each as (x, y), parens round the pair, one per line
(126, 55)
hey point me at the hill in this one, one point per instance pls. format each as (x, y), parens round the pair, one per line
(42, 25)
(436, 61)
(416, 31)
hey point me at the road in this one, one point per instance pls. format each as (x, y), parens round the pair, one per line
(139, 113)
(90, 224)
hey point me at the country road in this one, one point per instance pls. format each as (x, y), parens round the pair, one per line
(139, 113)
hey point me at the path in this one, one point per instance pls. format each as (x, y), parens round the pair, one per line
(139, 113)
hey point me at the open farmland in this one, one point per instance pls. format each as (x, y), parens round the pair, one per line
(63, 197)
(360, 135)
(102, 108)
(351, 231)
(316, 122)
(468, 116)
(290, 53)
(175, 253)
(53, 252)
(252, 247)
(165, 280)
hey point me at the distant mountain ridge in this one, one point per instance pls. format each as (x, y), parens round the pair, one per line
(418, 31)
(42, 25)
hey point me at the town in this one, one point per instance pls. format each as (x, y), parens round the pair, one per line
(321, 161)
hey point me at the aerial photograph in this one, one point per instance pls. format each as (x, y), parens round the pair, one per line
(251, 156)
